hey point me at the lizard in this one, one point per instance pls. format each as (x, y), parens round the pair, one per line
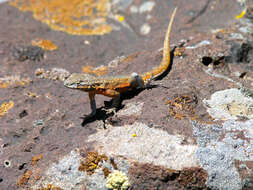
(113, 86)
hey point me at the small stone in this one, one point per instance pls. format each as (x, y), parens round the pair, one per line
(147, 6)
(133, 9)
(145, 29)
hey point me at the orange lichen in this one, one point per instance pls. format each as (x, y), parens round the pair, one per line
(23, 180)
(182, 106)
(37, 175)
(44, 44)
(39, 71)
(4, 84)
(179, 51)
(51, 187)
(79, 17)
(106, 172)
(130, 57)
(29, 177)
(114, 165)
(35, 159)
(224, 31)
(5, 107)
(96, 71)
(91, 162)
(32, 95)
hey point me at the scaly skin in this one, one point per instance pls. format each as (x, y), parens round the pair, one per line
(164, 65)
(113, 86)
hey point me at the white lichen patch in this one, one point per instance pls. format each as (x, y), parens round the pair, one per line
(134, 9)
(64, 174)
(2, 1)
(54, 74)
(150, 145)
(200, 44)
(117, 180)
(146, 7)
(220, 147)
(131, 109)
(145, 29)
(15, 80)
(143, 8)
(229, 104)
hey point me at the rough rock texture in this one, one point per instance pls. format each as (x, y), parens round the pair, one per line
(148, 145)
(148, 176)
(220, 146)
(191, 130)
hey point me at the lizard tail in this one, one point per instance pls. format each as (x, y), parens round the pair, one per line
(166, 55)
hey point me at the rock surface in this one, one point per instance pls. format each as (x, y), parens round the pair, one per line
(193, 130)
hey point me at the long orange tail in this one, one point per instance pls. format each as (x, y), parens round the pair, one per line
(166, 54)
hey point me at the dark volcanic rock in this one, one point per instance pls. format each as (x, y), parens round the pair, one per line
(191, 130)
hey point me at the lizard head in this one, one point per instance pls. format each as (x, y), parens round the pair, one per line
(79, 81)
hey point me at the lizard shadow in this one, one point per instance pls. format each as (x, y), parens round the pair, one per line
(102, 114)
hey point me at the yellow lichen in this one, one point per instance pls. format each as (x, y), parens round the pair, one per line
(236, 108)
(120, 18)
(102, 70)
(13, 80)
(117, 181)
(5, 107)
(241, 14)
(44, 44)
(79, 17)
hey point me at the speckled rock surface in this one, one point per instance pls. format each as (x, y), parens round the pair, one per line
(193, 130)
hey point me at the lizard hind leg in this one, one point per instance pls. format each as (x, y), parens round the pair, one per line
(116, 101)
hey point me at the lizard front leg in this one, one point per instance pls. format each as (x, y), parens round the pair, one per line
(110, 93)
(92, 104)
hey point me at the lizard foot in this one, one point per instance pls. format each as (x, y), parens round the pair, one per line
(111, 111)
